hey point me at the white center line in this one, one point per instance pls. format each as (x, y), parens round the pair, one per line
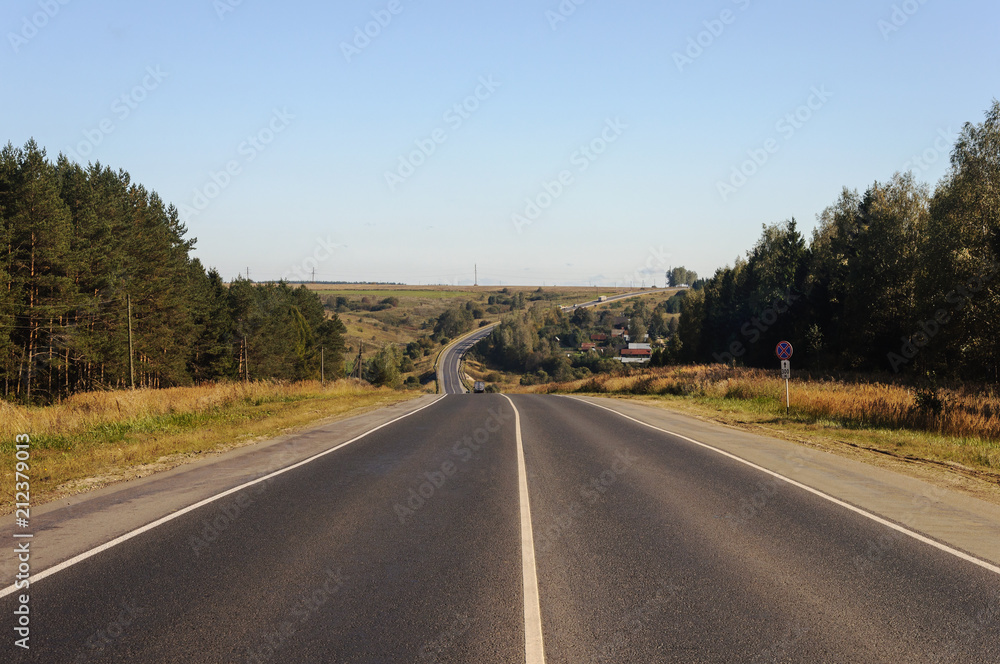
(534, 650)
(885, 522)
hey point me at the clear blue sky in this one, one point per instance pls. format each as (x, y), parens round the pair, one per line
(230, 69)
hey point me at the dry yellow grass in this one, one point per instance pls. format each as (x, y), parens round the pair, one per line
(886, 418)
(96, 438)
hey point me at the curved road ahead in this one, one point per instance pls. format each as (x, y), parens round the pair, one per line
(450, 362)
(531, 528)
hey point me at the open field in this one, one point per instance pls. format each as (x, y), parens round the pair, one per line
(419, 307)
(97, 438)
(422, 294)
(456, 291)
(956, 429)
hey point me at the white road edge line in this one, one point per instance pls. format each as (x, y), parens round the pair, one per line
(170, 517)
(534, 649)
(889, 524)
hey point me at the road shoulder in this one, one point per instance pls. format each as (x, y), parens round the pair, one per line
(69, 526)
(946, 515)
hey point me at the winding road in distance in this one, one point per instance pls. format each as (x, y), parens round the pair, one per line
(482, 528)
(449, 371)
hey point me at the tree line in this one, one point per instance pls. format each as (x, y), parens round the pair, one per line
(896, 279)
(93, 264)
(544, 343)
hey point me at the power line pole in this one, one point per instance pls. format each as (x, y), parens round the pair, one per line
(131, 361)
(477, 274)
(357, 365)
(322, 365)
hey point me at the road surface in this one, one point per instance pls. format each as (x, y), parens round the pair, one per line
(612, 298)
(562, 531)
(450, 362)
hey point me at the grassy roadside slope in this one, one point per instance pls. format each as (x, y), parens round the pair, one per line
(887, 425)
(99, 438)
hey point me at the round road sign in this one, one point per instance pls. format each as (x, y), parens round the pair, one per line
(783, 351)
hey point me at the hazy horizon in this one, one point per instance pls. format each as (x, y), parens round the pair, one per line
(546, 142)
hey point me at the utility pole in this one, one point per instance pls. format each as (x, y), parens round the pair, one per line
(314, 276)
(322, 365)
(477, 274)
(131, 361)
(357, 365)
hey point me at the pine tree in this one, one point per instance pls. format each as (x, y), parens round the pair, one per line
(39, 243)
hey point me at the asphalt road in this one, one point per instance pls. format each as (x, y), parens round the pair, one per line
(409, 545)
(449, 365)
(652, 549)
(403, 546)
(609, 298)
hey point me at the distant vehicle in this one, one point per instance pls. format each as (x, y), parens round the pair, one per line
(603, 298)
(479, 386)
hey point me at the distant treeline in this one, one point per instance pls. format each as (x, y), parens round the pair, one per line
(895, 279)
(81, 246)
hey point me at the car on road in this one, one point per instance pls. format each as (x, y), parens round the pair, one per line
(479, 386)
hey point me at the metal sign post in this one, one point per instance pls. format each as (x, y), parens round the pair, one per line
(784, 352)
(786, 373)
